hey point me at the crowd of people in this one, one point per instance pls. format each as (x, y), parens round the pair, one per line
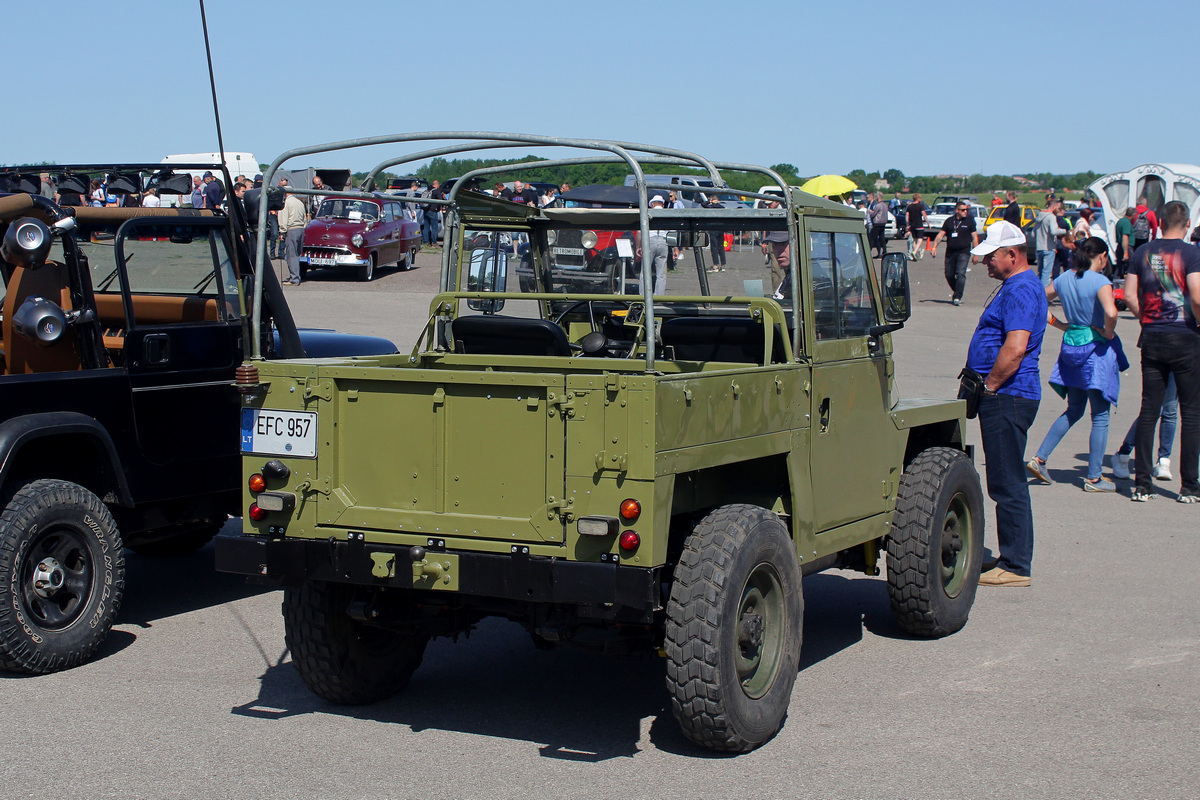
(1162, 290)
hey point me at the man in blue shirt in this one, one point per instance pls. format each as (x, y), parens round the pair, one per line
(1005, 349)
(197, 192)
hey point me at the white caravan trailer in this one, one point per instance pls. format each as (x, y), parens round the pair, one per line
(1160, 183)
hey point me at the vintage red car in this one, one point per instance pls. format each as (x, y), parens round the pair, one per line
(360, 233)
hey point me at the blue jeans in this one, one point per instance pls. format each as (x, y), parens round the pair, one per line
(1166, 430)
(429, 231)
(1077, 400)
(1004, 421)
(1045, 265)
(1165, 353)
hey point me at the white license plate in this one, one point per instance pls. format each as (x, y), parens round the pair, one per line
(318, 261)
(567, 251)
(279, 433)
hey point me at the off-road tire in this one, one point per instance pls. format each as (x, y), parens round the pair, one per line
(187, 540)
(340, 659)
(727, 559)
(62, 534)
(366, 273)
(932, 582)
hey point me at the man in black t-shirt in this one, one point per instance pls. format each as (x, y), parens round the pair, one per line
(1012, 212)
(1162, 289)
(916, 226)
(960, 234)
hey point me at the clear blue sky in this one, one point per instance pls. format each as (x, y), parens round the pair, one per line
(828, 86)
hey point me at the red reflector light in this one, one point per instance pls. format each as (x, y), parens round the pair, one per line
(630, 541)
(257, 483)
(257, 514)
(630, 509)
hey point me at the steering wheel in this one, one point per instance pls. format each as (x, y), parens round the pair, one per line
(594, 342)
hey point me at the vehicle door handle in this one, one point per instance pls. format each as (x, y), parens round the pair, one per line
(823, 414)
(156, 349)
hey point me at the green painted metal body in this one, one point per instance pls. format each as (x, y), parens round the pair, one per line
(502, 454)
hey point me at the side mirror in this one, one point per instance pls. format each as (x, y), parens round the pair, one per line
(897, 304)
(40, 321)
(488, 272)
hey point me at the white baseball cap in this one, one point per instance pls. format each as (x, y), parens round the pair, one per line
(658, 199)
(1000, 234)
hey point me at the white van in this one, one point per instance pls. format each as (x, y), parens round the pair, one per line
(237, 164)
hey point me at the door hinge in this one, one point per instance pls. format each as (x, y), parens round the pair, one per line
(564, 403)
(563, 508)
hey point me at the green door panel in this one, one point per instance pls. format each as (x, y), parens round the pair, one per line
(854, 442)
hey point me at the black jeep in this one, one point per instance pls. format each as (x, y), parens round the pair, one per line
(121, 332)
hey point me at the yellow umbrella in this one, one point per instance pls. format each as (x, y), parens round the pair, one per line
(829, 185)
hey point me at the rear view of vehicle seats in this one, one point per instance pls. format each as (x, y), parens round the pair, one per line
(509, 336)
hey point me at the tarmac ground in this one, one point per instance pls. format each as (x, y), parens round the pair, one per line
(1085, 684)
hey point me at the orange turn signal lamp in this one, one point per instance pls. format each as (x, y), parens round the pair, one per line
(630, 509)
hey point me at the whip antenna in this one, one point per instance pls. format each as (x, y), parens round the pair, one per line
(212, 82)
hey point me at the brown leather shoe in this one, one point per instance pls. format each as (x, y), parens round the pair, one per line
(1002, 577)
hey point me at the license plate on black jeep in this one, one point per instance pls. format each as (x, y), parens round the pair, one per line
(279, 433)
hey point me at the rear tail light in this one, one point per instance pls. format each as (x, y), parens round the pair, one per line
(630, 509)
(257, 514)
(630, 541)
(257, 483)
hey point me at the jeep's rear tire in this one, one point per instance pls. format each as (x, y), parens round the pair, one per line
(187, 540)
(63, 574)
(366, 272)
(734, 628)
(340, 659)
(935, 547)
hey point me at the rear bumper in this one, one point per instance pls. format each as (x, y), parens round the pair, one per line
(515, 576)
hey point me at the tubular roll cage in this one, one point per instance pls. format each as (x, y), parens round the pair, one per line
(489, 140)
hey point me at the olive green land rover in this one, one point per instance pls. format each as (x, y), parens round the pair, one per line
(611, 467)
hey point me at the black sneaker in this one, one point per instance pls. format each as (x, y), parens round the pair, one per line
(1188, 496)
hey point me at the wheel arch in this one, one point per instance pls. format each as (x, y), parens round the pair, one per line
(944, 433)
(762, 481)
(27, 451)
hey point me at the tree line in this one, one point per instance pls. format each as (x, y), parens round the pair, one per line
(442, 169)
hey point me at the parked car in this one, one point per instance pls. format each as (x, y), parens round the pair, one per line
(1028, 215)
(362, 234)
(398, 185)
(772, 189)
(943, 211)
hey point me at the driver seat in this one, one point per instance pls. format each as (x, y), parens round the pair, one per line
(21, 356)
